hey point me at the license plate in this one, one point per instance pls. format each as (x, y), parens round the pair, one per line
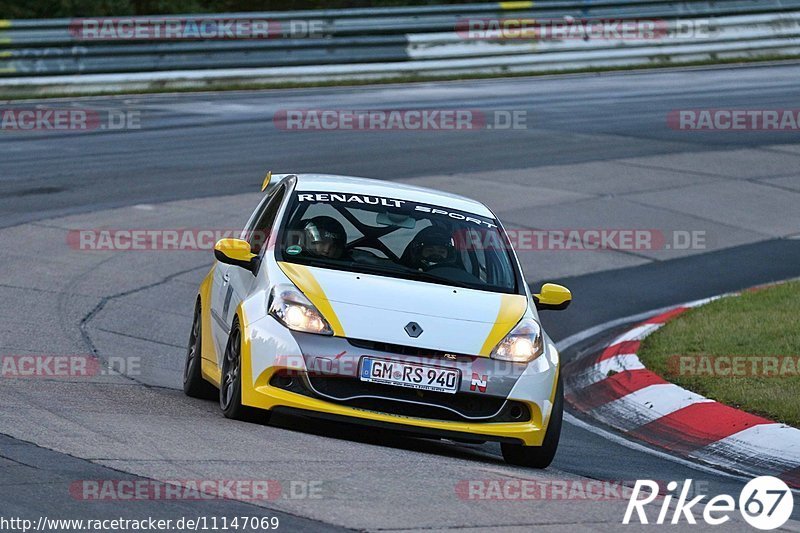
(410, 375)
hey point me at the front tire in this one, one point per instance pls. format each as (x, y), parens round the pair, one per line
(193, 383)
(230, 387)
(539, 456)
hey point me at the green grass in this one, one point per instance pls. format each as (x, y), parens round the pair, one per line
(755, 324)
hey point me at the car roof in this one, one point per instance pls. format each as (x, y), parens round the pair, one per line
(389, 189)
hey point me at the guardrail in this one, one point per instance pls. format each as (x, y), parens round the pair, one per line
(389, 42)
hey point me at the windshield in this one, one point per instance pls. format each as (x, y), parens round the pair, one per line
(397, 238)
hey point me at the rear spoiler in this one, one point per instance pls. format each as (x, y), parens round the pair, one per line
(272, 180)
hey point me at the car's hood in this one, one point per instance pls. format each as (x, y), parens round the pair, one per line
(378, 308)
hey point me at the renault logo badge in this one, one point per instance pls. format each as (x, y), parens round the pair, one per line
(413, 329)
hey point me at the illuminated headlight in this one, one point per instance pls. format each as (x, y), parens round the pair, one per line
(292, 309)
(522, 345)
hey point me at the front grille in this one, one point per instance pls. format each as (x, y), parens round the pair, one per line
(510, 412)
(459, 407)
(401, 349)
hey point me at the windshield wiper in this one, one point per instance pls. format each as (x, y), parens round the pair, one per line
(421, 275)
(417, 275)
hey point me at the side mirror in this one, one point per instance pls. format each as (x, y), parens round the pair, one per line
(235, 252)
(552, 297)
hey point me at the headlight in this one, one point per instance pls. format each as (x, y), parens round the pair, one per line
(522, 345)
(292, 309)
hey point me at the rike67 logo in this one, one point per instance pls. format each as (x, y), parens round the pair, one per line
(765, 503)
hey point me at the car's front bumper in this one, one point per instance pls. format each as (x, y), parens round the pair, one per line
(267, 349)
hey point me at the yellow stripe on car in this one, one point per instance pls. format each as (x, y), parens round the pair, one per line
(516, 5)
(302, 277)
(249, 396)
(208, 353)
(512, 307)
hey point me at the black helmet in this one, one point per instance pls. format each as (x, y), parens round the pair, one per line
(325, 236)
(431, 246)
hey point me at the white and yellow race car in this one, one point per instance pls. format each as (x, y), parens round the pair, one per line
(379, 304)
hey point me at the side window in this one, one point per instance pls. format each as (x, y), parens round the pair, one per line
(258, 235)
(256, 215)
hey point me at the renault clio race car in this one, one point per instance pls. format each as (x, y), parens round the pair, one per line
(379, 304)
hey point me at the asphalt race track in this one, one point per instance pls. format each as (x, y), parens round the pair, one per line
(595, 152)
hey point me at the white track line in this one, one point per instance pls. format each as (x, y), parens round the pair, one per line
(636, 334)
(622, 441)
(595, 330)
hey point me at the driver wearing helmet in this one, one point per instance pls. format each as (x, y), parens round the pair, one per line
(430, 248)
(325, 237)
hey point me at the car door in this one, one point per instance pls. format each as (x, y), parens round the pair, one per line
(222, 291)
(239, 281)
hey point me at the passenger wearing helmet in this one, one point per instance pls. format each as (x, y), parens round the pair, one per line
(430, 248)
(325, 237)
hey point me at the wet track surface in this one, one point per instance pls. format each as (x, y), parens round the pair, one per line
(194, 148)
